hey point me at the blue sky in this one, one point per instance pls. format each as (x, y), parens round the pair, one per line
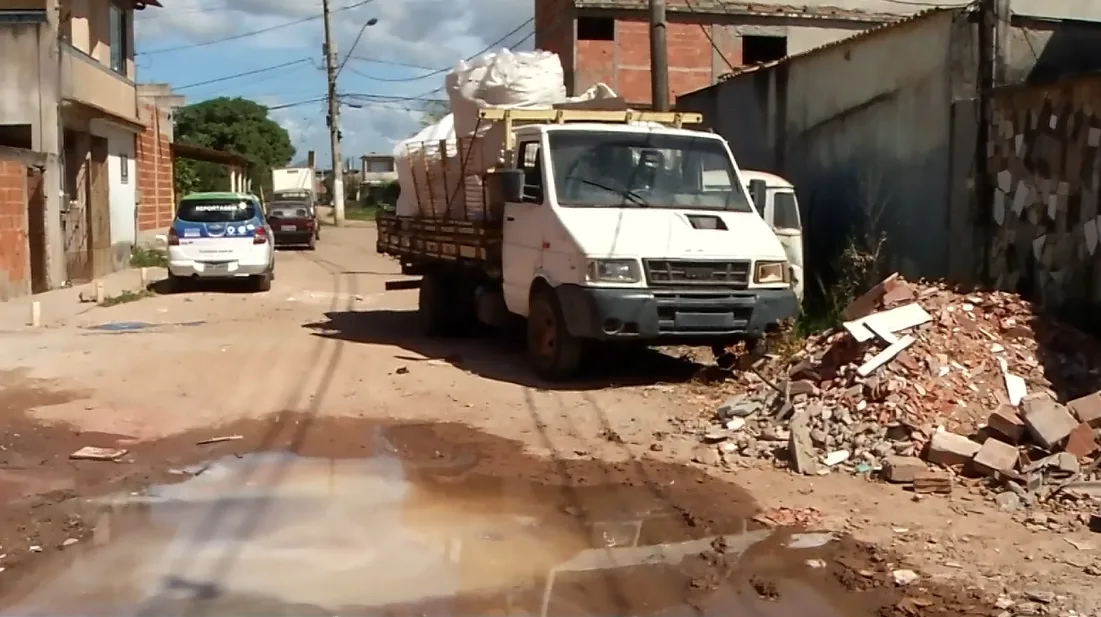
(397, 64)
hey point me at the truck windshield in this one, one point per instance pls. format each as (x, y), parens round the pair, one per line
(594, 168)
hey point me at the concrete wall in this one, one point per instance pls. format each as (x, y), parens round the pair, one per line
(870, 150)
(1045, 217)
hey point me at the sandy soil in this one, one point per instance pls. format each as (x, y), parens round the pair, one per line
(327, 346)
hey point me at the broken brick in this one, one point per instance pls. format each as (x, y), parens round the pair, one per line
(1048, 422)
(996, 456)
(902, 469)
(1081, 441)
(1088, 409)
(1007, 423)
(947, 449)
(929, 481)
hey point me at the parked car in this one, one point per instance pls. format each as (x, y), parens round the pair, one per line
(295, 222)
(221, 236)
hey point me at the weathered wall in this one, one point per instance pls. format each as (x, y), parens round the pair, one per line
(897, 132)
(844, 143)
(29, 95)
(1045, 166)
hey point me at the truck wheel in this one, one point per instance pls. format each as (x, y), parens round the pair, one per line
(555, 353)
(435, 317)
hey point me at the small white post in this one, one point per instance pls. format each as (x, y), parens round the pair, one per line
(144, 278)
(99, 292)
(36, 313)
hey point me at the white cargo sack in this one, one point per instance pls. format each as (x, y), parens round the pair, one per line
(526, 79)
(445, 182)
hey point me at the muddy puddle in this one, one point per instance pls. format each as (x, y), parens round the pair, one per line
(461, 530)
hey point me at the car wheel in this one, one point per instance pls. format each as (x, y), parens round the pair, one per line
(312, 244)
(553, 351)
(173, 284)
(262, 282)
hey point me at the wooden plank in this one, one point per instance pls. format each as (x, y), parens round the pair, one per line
(587, 115)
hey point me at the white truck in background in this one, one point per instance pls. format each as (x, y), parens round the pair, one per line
(598, 226)
(293, 181)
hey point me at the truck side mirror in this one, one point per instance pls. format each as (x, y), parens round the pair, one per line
(512, 184)
(759, 194)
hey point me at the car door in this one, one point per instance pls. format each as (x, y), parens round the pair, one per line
(522, 244)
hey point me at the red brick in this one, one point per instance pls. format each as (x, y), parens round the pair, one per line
(1081, 442)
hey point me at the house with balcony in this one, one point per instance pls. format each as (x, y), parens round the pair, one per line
(67, 91)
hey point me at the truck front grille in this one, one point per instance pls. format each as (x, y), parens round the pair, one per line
(690, 273)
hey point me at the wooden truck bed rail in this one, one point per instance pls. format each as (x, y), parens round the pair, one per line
(409, 238)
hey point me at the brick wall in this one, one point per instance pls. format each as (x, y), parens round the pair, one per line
(14, 253)
(624, 63)
(156, 193)
(554, 32)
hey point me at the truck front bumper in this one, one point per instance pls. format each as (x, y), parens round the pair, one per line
(657, 315)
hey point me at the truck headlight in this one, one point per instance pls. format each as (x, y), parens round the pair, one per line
(771, 272)
(613, 271)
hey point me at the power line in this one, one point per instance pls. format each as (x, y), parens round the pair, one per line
(244, 74)
(393, 63)
(296, 103)
(165, 50)
(435, 72)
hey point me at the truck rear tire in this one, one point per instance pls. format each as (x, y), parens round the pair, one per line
(553, 351)
(435, 319)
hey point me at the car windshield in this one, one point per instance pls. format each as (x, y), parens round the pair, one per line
(605, 168)
(216, 210)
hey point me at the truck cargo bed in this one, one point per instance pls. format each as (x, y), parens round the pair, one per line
(413, 239)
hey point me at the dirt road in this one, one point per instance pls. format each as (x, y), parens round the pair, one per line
(452, 453)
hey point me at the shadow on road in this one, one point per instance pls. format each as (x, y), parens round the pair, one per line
(501, 357)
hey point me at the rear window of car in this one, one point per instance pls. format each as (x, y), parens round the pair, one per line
(289, 209)
(216, 210)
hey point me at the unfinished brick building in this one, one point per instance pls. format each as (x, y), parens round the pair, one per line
(609, 40)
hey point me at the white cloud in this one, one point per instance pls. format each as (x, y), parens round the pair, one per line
(429, 33)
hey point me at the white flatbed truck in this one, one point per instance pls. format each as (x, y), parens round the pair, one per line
(600, 226)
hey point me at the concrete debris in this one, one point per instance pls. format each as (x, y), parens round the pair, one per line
(922, 375)
(904, 577)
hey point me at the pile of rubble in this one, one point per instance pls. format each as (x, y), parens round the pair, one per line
(929, 387)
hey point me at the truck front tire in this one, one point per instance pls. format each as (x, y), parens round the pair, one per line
(553, 351)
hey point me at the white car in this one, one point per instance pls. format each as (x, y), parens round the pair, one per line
(221, 236)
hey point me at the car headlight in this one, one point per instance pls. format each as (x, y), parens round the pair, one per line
(613, 271)
(771, 272)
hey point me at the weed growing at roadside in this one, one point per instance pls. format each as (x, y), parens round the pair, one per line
(126, 297)
(142, 257)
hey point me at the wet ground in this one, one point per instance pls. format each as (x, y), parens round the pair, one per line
(404, 519)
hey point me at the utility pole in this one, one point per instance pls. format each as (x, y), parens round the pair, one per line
(334, 120)
(993, 15)
(659, 60)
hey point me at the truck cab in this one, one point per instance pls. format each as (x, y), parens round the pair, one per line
(612, 232)
(778, 205)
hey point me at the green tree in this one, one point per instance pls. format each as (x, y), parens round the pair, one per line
(233, 125)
